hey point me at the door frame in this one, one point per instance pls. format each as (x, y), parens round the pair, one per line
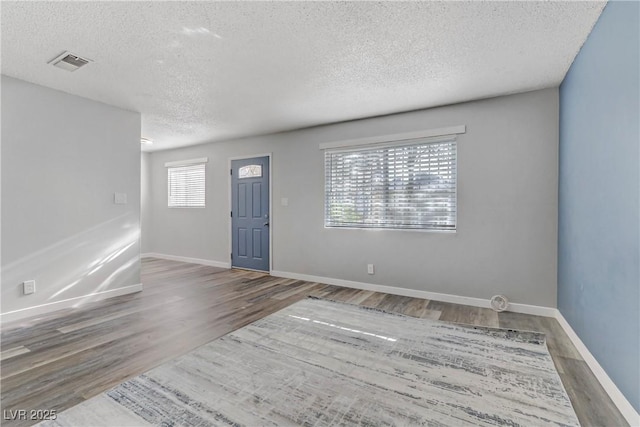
(230, 205)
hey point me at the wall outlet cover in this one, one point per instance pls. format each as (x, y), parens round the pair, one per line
(29, 287)
(120, 198)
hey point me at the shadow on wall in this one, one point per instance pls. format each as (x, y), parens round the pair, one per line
(101, 258)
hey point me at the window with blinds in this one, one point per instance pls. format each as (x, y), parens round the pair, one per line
(186, 186)
(410, 186)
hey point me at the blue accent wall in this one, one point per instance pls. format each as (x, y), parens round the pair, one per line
(599, 192)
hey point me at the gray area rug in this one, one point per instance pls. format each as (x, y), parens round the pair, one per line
(319, 363)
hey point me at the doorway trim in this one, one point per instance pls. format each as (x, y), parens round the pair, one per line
(230, 205)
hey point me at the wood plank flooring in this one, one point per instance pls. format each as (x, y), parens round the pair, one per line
(59, 360)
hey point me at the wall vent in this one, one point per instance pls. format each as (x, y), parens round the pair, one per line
(69, 61)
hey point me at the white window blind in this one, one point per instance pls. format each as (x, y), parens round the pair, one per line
(186, 186)
(409, 186)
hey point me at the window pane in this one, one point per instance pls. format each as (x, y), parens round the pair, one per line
(186, 186)
(250, 171)
(406, 187)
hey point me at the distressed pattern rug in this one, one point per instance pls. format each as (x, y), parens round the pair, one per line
(320, 363)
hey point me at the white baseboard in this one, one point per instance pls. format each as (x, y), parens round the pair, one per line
(456, 299)
(624, 406)
(212, 263)
(41, 309)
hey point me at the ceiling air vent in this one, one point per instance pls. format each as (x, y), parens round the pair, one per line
(69, 61)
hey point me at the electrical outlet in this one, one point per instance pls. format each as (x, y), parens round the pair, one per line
(29, 287)
(371, 269)
(120, 198)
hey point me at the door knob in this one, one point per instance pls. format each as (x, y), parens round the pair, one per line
(266, 224)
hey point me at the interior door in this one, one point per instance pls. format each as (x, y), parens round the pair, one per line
(250, 213)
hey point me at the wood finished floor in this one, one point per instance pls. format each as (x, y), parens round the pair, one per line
(60, 360)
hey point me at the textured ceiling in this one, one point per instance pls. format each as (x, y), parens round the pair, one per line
(207, 71)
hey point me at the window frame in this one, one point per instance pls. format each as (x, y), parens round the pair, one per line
(354, 146)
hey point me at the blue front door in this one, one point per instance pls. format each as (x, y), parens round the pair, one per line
(250, 213)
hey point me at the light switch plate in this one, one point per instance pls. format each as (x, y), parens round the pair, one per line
(284, 201)
(120, 198)
(29, 287)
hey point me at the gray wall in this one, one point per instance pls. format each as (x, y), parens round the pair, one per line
(507, 205)
(63, 158)
(599, 217)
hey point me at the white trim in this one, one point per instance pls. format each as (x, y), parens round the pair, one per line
(270, 156)
(392, 144)
(381, 139)
(186, 162)
(419, 230)
(415, 293)
(201, 261)
(623, 405)
(41, 309)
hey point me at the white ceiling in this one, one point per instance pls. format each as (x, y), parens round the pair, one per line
(208, 71)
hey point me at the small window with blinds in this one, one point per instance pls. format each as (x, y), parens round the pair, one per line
(408, 186)
(186, 186)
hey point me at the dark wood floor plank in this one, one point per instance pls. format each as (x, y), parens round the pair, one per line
(591, 403)
(58, 360)
(418, 307)
(466, 314)
(373, 300)
(393, 303)
(342, 294)
(328, 289)
(358, 297)
(557, 340)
